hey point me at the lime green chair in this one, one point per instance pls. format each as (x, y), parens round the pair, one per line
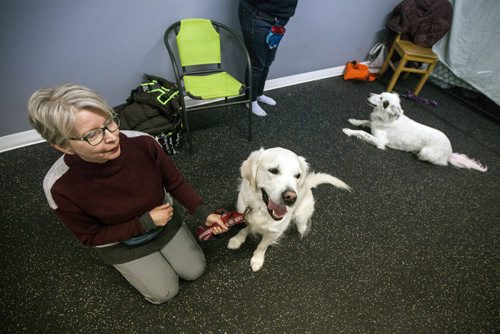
(195, 47)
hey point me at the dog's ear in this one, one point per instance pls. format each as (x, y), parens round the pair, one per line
(395, 110)
(304, 167)
(249, 167)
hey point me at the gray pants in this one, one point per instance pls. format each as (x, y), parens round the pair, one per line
(156, 276)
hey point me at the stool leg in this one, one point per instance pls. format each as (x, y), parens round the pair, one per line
(424, 78)
(387, 60)
(396, 74)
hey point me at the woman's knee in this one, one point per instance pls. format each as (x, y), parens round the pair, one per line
(160, 297)
(185, 255)
(152, 276)
(195, 270)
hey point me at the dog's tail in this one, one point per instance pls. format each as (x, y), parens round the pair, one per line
(463, 161)
(315, 179)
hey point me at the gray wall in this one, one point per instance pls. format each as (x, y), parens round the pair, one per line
(108, 44)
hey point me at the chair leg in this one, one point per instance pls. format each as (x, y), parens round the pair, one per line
(186, 127)
(424, 78)
(250, 121)
(396, 74)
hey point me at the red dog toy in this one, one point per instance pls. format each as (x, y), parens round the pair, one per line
(230, 218)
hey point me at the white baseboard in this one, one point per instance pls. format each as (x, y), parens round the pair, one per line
(25, 138)
(19, 139)
(304, 77)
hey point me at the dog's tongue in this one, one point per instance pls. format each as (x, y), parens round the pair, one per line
(277, 209)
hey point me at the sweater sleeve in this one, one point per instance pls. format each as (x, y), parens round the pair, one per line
(176, 184)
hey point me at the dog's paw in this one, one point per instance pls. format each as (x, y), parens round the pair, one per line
(303, 230)
(347, 131)
(234, 243)
(359, 122)
(256, 262)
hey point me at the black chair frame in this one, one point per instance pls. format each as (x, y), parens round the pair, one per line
(181, 71)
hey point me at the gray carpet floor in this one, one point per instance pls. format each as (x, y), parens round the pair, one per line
(413, 249)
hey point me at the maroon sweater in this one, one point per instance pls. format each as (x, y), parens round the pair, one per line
(106, 203)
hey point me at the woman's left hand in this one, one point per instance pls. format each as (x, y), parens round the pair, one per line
(215, 219)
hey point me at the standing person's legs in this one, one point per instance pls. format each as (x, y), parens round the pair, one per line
(255, 30)
(263, 56)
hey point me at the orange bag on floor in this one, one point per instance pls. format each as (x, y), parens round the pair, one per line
(358, 72)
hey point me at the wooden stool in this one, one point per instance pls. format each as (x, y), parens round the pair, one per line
(409, 52)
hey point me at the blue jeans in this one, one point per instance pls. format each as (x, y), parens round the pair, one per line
(255, 26)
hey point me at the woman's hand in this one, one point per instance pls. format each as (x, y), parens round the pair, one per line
(215, 219)
(162, 214)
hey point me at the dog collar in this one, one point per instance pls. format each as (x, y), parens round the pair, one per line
(247, 211)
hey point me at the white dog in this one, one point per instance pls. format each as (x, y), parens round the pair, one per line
(275, 190)
(390, 128)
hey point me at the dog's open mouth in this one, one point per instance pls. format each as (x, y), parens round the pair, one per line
(370, 104)
(277, 212)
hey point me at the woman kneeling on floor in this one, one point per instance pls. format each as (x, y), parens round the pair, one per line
(112, 191)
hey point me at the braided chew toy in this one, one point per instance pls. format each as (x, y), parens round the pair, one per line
(418, 99)
(230, 218)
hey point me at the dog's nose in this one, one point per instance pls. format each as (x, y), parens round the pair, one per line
(289, 197)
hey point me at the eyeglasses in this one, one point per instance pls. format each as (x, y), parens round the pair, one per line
(96, 136)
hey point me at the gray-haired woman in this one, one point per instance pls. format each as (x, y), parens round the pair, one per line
(112, 191)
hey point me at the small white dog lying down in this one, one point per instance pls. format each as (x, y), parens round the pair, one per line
(390, 128)
(275, 190)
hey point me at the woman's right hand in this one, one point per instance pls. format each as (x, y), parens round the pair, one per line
(162, 214)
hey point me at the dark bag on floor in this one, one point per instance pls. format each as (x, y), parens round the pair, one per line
(171, 139)
(153, 107)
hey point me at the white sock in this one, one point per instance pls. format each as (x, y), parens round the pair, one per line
(257, 110)
(266, 99)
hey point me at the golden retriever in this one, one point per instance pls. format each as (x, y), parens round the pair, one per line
(275, 190)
